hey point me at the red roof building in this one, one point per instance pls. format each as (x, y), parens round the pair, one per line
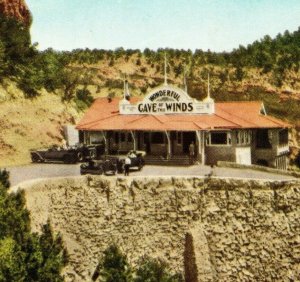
(168, 123)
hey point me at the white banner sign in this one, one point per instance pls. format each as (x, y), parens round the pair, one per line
(167, 100)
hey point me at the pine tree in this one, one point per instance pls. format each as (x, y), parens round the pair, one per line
(155, 270)
(3, 63)
(113, 267)
(25, 256)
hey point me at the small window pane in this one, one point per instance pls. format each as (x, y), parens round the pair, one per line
(242, 137)
(129, 138)
(283, 137)
(237, 137)
(219, 138)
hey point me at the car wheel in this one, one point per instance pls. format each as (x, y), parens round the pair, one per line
(79, 157)
(35, 158)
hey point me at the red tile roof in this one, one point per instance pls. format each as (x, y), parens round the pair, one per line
(104, 115)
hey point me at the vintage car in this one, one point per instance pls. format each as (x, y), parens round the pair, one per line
(107, 165)
(72, 154)
(136, 157)
(111, 164)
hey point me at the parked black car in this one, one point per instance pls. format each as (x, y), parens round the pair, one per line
(113, 163)
(72, 154)
(136, 157)
(92, 167)
(107, 165)
(110, 166)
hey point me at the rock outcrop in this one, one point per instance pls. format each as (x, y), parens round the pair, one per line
(16, 9)
(211, 229)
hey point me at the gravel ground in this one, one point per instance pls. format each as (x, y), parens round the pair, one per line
(19, 174)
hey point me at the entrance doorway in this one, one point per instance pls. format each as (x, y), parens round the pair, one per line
(187, 138)
(147, 142)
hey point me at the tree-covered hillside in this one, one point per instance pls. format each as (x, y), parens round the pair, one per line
(269, 64)
(266, 70)
(277, 55)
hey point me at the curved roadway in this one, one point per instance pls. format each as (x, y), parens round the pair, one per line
(19, 174)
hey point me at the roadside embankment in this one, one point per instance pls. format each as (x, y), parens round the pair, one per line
(212, 229)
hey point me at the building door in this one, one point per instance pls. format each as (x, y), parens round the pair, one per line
(187, 138)
(140, 144)
(147, 142)
(173, 139)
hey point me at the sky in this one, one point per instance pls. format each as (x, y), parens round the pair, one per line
(218, 25)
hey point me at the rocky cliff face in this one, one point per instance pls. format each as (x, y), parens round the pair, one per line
(16, 9)
(210, 229)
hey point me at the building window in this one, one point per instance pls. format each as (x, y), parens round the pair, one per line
(157, 138)
(81, 136)
(262, 139)
(243, 137)
(249, 136)
(219, 138)
(122, 137)
(87, 138)
(283, 137)
(96, 137)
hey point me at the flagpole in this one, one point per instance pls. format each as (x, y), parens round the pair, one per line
(166, 82)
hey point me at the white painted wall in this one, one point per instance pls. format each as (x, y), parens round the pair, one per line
(243, 155)
(71, 135)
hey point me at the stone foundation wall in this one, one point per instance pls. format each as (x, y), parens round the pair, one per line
(214, 229)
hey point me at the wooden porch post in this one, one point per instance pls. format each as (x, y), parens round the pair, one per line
(199, 151)
(203, 147)
(105, 142)
(86, 137)
(169, 145)
(134, 141)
